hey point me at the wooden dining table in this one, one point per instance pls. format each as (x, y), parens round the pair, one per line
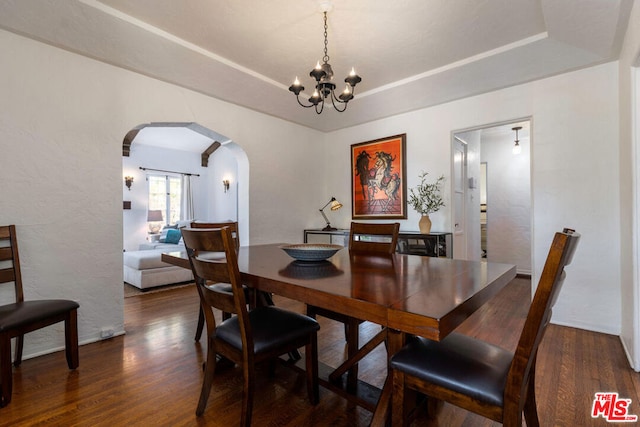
(407, 294)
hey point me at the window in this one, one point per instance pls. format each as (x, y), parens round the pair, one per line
(165, 194)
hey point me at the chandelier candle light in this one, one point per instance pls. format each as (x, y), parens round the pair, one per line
(323, 74)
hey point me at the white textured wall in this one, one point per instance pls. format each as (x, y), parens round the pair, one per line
(629, 91)
(62, 121)
(575, 175)
(63, 118)
(223, 206)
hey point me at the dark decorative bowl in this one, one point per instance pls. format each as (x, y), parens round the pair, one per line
(311, 251)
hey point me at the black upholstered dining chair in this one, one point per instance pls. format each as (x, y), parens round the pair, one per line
(249, 337)
(363, 238)
(21, 317)
(478, 376)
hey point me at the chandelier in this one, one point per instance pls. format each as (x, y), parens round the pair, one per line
(325, 88)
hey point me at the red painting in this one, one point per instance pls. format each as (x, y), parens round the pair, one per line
(378, 186)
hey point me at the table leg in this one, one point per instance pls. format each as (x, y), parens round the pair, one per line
(353, 338)
(395, 341)
(358, 355)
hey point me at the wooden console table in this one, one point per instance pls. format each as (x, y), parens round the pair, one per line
(436, 244)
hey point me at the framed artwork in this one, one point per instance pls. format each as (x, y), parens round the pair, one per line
(378, 184)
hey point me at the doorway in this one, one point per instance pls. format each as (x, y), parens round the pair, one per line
(220, 185)
(492, 194)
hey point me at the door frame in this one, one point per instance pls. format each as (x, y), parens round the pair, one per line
(454, 137)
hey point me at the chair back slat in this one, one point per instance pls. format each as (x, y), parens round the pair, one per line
(7, 275)
(560, 255)
(9, 252)
(211, 272)
(212, 253)
(376, 238)
(6, 254)
(233, 226)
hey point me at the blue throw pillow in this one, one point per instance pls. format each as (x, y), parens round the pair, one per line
(173, 236)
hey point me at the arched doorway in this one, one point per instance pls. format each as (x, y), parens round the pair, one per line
(185, 149)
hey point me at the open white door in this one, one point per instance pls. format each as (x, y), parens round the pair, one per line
(458, 188)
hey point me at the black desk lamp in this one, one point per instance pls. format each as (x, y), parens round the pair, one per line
(335, 205)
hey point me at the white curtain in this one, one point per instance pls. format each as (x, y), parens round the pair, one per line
(188, 212)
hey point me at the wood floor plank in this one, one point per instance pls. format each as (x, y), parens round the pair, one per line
(152, 375)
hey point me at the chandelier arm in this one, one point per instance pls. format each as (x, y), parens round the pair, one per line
(336, 101)
(321, 107)
(333, 101)
(301, 104)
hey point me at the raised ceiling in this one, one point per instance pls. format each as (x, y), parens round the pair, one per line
(411, 54)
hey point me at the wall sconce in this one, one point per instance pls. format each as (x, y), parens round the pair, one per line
(225, 184)
(128, 180)
(335, 205)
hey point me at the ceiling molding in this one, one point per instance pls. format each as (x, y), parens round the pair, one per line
(437, 52)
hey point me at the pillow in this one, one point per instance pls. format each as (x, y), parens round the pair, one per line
(183, 223)
(173, 236)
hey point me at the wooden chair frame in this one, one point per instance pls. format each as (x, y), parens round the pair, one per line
(225, 270)
(233, 226)
(519, 391)
(22, 317)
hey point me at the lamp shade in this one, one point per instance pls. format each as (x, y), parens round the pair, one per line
(335, 205)
(154, 215)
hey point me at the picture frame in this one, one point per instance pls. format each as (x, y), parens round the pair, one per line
(378, 178)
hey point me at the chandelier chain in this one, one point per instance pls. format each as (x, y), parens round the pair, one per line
(324, 86)
(325, 58)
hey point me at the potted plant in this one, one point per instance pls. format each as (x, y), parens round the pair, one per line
(426, 198)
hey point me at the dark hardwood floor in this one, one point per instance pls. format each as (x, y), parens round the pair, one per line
(152, 375)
